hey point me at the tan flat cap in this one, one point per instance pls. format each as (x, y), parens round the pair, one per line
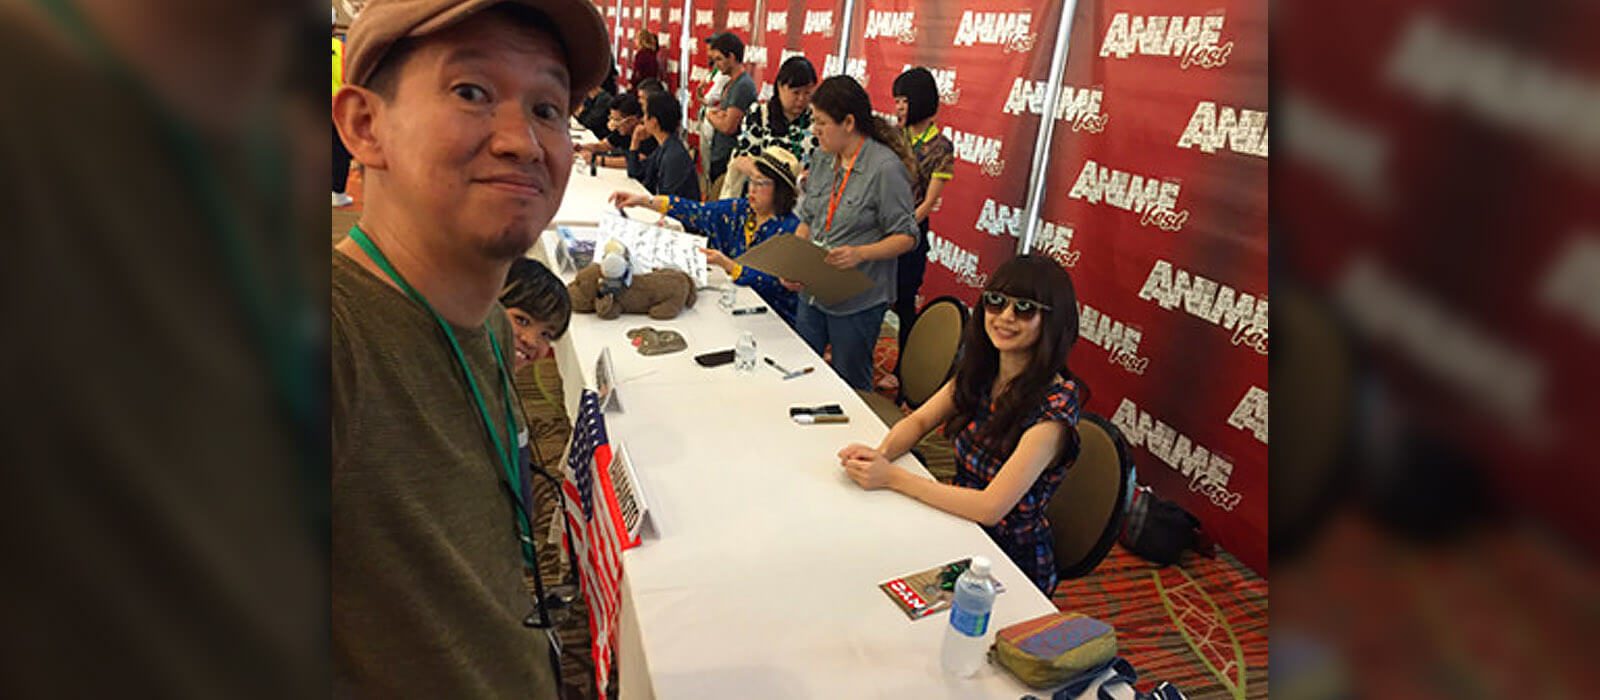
(383, 22)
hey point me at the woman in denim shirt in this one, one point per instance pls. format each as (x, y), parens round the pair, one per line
(858, 206)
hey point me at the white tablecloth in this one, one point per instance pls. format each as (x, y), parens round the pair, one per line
(762, 579)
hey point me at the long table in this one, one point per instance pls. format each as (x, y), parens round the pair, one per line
(761, 580)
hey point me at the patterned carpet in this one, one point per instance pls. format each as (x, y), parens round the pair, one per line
(1123, 592)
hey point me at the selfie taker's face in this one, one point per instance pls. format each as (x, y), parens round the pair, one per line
(476, 133)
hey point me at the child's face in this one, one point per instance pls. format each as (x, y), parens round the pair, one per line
(532, 337)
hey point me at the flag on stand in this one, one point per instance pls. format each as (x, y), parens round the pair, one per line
(597, 547)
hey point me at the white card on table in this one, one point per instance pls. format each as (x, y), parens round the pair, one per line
(605, 381)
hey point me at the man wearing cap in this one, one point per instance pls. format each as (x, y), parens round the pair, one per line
(459, 110)
(727, 56)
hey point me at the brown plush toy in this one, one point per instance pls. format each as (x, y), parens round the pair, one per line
(661, 294)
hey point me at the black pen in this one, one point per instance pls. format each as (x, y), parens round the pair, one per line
(775, 365)
(751, 310)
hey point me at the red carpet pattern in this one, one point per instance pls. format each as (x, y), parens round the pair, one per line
(1122, 593)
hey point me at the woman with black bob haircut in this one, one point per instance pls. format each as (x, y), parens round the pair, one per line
(858, 206)
(1011, 411)
(916, 105)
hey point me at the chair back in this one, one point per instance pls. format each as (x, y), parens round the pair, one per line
(1086, 511)
(929, 356)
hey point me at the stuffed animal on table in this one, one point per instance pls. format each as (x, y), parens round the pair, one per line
(609, 289)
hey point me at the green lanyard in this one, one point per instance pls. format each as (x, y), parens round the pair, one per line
(505, 451)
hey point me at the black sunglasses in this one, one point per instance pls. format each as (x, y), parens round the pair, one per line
(1023, 309)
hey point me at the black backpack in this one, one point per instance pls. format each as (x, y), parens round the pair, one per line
(1160, 530)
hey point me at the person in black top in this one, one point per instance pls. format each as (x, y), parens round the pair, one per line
(669, 170)
(596, 106)
(626, 117)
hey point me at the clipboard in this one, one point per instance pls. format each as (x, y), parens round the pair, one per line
(794, 258)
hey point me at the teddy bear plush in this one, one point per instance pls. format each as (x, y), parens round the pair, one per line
(661, 294)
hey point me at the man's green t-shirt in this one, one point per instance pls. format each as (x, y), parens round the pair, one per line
(428, 589)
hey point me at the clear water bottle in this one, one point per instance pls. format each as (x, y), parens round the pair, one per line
(730, 296)
(966, 638)
(744, 353)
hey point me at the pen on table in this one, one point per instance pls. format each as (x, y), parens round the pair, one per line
(799, 373)
(751, 310)
(809, 419)
(775, 365)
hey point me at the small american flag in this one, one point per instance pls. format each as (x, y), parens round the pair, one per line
(598, 549)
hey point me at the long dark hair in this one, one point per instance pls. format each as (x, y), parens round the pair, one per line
(1041, 279)
(797, 72)
(842, 96)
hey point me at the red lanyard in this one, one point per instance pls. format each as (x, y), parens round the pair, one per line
(833, 200)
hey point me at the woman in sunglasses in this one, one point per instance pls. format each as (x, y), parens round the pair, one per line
(738, 224)
(1011, 411)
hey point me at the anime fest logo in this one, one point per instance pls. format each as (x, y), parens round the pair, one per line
(818, 22)
(1212, 126)
(891, 24)
(1008, 30)
(1119, 340)
(1251, 414)
(1077, 106)
(959, 261)
(978, 150)
(1055, 240)
(998, 219)
(739, 20)
(945, 78)
(1208, 472)
(1154, 200)
(778, 22)
(855, 68)
(703, 18)
(1194, 41)
(1216, 304)
(675, 15)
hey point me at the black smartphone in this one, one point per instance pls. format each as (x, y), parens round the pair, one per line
(715, 359)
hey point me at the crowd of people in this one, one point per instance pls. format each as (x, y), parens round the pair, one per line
(460, 120)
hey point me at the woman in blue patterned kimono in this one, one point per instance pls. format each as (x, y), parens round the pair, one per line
(736, 225)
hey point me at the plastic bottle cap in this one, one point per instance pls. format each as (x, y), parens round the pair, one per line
(980, 566)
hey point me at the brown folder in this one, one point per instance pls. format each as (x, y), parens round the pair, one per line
(798, 260)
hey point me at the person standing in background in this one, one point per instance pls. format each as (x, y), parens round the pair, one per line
(783, 121)
(916, 104)
(727, 56)
(858, 205)
(646, 64)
